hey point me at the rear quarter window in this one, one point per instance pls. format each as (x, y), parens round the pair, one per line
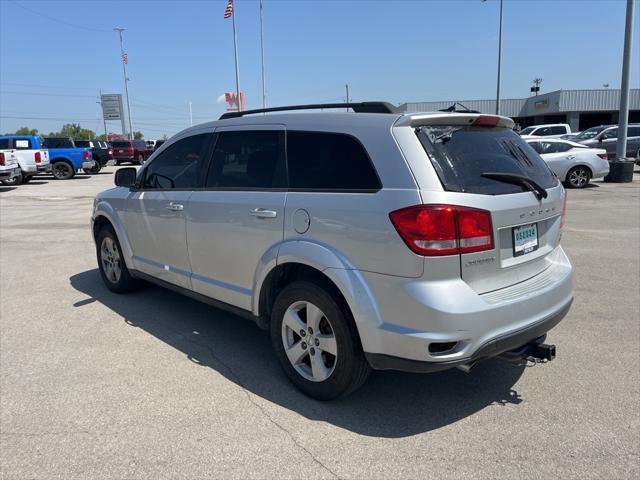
(460, 155)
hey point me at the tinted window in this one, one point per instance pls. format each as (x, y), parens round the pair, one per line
(526, 131)
(537, 146)
(329, 161)
(4, 143)
(120, 144)
(558, 130)
(611, 133)
(178, 166)
(633, 132)
(83, 143)
(460, 155)
(247, 159)
(542, 132)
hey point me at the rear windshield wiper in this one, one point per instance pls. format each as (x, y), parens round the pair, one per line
(526, 182)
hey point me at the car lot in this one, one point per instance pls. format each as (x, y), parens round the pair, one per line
(152, 384)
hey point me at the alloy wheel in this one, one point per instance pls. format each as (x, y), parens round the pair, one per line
(579, 177)
(111, 260)
(309, 341)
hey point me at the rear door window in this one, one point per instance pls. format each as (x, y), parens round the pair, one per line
(559, 130)
(633, 132)
(460, 155)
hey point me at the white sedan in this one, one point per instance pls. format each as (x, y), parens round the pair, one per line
(573, 163)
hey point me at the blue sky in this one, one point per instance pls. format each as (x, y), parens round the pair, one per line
(55, 55)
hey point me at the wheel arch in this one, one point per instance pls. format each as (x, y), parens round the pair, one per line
(105, 215)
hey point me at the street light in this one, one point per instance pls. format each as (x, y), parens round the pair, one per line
(499, 60)
(126, 79)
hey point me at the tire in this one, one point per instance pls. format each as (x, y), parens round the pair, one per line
(62, 170)
(140, 160)
(96, 169)
(327, 362)
(14, 181)
(26, 179)
(113, 269)
(578, 177)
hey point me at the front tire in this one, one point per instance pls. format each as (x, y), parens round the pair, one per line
(316, 342)
(578, 177)
(113, 269)
(62, 170)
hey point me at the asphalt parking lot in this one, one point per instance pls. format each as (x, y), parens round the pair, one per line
(155, 385)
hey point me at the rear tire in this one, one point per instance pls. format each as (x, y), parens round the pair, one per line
(27, 179)
(316, 341)
(578, 177)
(62, 170)
(94, 170)
(13, 181)
(113, 269)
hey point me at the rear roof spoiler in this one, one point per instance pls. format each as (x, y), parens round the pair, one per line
(360, 107)
(424, 119)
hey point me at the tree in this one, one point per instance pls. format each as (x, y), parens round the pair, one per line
(102, 136)
(138, 135)
(165, 136)
(75, 131)
(27, 131)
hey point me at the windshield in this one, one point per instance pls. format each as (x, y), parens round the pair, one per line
(461, 155)
(588, 133)
(526, 131)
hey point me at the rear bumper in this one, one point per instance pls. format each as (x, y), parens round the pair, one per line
(43, 168)
(111, 162)
(414, 313)
(490, 349)
(9, 174)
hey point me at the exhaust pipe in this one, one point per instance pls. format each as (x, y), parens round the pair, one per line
(535, 352)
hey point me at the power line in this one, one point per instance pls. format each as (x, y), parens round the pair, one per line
(43, 94)
(57, 20)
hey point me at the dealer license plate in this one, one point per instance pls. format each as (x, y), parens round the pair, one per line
(525, 239)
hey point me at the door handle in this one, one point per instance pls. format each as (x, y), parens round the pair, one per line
(263, 213)
(175, 207)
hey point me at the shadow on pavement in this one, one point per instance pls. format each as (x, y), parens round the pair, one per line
(6, 189)
(390, 404)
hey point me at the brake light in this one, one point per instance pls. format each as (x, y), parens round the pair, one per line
(2, 159)
(38, 157)
(603, 156)
(486, 121)
(436, 230)
(110, 153)
(85, 155)
(563, 217)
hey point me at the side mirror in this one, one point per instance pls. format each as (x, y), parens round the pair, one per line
(126, 177)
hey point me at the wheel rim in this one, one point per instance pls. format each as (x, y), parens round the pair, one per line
(309, 341)
(61, 169)
(111, 261)
(578, 177)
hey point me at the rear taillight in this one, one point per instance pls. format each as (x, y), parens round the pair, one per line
(435, 230)
(2, 159)
(110, 153)
(603, 156)
(85, 155)
(38, 157)
(563, 217)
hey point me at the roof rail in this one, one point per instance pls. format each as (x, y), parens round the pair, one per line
(361, 107)
(454, 109)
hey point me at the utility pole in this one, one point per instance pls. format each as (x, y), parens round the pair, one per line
(264, 88)
(535, 89)
(126, 80)
(623, 122)
(346, 86)
(104, 122)
(190, 115)
(235, 53)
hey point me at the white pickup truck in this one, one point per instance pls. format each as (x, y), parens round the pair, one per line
(9, 168)
(550, 130)
(31, 160)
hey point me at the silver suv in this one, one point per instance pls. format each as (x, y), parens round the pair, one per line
(365, 239)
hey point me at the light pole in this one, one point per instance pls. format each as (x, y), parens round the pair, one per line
(499, 60)
(126, 80)
(621, 146)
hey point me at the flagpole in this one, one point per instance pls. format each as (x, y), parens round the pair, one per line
(264, 91)
(235, 52)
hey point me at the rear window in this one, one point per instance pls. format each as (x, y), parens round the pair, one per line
(82, 143)
(460, 155)
(117, 144)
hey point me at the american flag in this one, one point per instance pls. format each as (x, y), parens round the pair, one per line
(229, 11)
(125, 58)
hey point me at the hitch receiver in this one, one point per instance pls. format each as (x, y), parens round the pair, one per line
(534, 351)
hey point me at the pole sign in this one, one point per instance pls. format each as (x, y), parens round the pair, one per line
(111, 106)
(232, 101)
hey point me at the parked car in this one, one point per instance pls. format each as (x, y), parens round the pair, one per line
(416, 242)
(134, 151)
(151, 144)
(9, 167)
(66, 158)
(158, 144)
(31, 160)
(552, 130)
(606, 136)
(573, 163)
(101, 152)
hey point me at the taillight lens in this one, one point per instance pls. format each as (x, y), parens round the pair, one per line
(38, 157)
(435, 230)
(110, 153)
(85, 155)
(2, 159)
(603, 156)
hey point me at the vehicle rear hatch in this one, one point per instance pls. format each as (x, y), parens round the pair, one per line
(122, 149)
(484, 165)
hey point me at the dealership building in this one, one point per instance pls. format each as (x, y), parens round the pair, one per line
(581, 109)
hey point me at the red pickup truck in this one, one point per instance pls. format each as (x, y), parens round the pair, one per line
(134, 151)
